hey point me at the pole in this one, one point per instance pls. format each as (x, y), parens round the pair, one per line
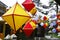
(56, 8)
(4, 29)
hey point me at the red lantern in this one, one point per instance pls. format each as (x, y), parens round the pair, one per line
(45, 18)
(28, 5)
(28, 29)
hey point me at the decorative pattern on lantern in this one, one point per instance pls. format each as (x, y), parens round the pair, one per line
(29, 27)
(29, 5)
(15, 17)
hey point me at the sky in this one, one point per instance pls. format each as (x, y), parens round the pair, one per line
(12, 2)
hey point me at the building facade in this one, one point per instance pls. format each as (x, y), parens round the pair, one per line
(2, 8)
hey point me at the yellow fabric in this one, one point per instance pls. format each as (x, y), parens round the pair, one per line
(19, 21)
(10, 11)
(20, 11)
(46, 24)
(33, 11)
(33, 24)
(17, 9)
(9, 20)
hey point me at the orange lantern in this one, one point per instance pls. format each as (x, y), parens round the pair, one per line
(58, 16)
(58, 28)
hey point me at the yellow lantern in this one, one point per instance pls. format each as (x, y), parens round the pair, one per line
(16, 17)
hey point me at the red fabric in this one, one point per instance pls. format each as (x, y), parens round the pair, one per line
(28, 29)
(44, 25)
(45, 18)
(27, 26)
(28, 5)
(28, 32)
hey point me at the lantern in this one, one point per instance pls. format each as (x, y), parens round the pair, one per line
(28, 5)
(58, 28)
(29, 27)
(45, 18)
(58, 16)
(16, 17)
(45, 25)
